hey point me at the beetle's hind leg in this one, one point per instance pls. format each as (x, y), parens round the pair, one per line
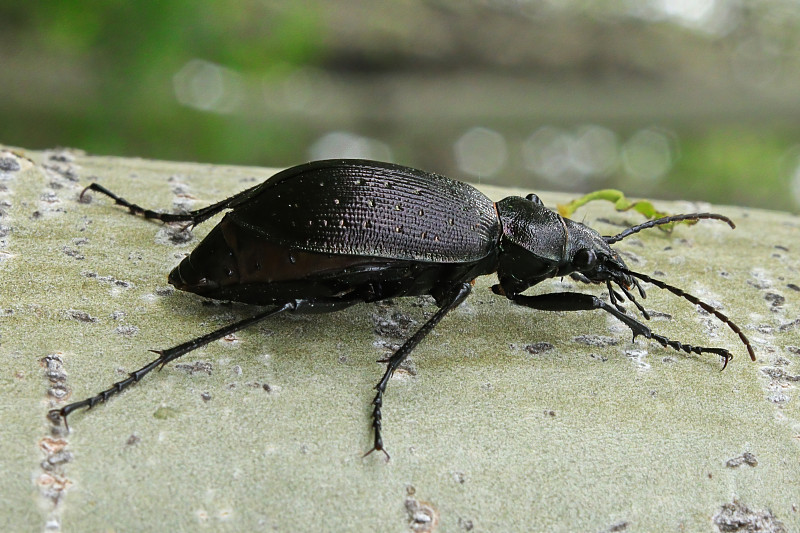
(164, 357)
(193, 217)
(451, 301)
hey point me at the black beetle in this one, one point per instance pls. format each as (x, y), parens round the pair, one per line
(325, 235)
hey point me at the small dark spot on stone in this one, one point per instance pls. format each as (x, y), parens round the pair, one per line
(538, 347)
(195, 367)
(133, 439)
(206, 396)
(747, 458)
(36, 214)
(164, 291)
(775, 299)
(789, 325)
(72, 252)
(465, 524)
(549, 412)
(793, 286)
(781, 247)
(61, 157)
(778, 374)
(737, 517)
(50, 197)
(82, 316)
(127, 330)
(266, 387)
(9, 164)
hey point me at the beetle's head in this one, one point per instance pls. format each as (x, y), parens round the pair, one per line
(590, 258)
(538, 244)
(594, 261)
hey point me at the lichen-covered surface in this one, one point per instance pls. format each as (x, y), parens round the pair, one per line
(505, 419)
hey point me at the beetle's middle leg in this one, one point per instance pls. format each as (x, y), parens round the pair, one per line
(575, 301)
(450, 302)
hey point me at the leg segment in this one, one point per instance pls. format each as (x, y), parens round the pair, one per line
(193, 217)
(575, 301)
(451, 301)
(165, 356)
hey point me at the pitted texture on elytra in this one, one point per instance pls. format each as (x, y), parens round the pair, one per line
(375, 209)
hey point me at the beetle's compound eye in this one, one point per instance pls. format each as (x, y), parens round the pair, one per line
(585, 259)
(534, 198)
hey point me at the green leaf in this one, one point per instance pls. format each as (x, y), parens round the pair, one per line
(621, 203)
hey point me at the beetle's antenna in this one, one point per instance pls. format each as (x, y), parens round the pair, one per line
(697, 301)
(666, 220)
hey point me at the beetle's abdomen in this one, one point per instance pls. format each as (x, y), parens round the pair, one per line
(211, 264)
(365, 208)
(231, 256)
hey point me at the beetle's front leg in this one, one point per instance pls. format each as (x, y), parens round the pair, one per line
(575, 301)
(452, 300)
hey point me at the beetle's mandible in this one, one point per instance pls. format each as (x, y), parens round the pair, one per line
(326, 235)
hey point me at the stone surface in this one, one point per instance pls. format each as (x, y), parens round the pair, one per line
(506, 418)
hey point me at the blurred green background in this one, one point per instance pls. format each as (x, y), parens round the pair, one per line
(694, 99)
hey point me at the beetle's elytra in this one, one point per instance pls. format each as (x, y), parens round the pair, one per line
(325, 235)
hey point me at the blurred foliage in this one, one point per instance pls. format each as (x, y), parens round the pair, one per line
(411, 77)
(136, 38)
(736, 164)
(135, 48)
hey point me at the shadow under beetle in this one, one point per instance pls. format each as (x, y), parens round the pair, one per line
(325, 235)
